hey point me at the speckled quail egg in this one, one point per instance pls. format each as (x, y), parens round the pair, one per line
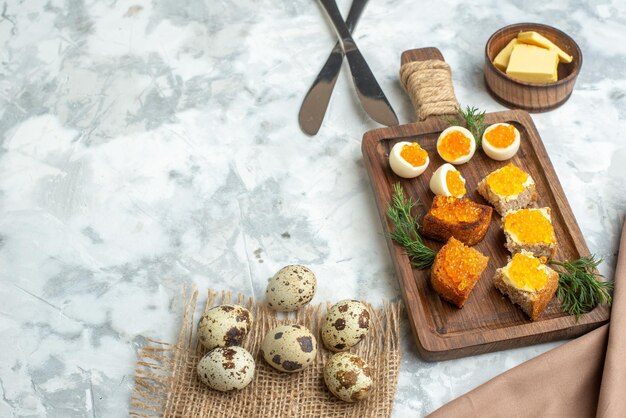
(456, 145)
(224, 326)
(348, 377)
(408, 159)
(291, 288)
(289, 348)
(226, 368)
(347, 322)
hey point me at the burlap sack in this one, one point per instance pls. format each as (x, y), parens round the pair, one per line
(166, 383)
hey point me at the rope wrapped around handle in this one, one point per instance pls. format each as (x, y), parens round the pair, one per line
(429, 85)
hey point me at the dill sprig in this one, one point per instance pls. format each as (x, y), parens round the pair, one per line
(471, 118)
(406, 227)
(579, 288)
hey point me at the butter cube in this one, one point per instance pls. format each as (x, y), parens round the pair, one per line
(501, 60)
(534, 38)
(533, 64)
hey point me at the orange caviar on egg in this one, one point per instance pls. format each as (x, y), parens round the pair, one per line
(414, 154)
(462, 264)
(501, 136)
(454, 145)
(456, 185)
(508, 181)
(453, 210)
(530, 226)
(527, 272)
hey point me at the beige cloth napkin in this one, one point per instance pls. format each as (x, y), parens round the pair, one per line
(583, 378)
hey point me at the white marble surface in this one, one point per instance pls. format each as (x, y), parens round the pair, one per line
(148, 145)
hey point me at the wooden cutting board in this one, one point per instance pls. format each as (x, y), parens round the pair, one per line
(488, 321)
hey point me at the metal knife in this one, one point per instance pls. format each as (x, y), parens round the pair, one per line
(371, 95)
(316, 100)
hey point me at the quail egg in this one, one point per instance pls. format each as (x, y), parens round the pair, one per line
(226, 368)
(408, 159)
(347, 322)
(291, 288)
(348, 377)
(501, 141)
(456, 145)
(447, 181)
(224, 326)
(289, 348)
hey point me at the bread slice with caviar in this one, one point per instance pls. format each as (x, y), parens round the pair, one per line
(530, 230)
(456, 271)
(460, 218)
(508, 188)
(527, 282)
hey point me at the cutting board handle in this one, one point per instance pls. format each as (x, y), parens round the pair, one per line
(429, 85)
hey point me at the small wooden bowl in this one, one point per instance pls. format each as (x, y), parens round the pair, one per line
(531, 96)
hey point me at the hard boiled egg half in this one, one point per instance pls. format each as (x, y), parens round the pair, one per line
(447, 181)
(501, 141)
(456, 145)
(408, 159)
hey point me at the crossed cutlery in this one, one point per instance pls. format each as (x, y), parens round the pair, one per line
(368, 90)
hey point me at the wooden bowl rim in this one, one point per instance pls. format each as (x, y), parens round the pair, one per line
(532, 26)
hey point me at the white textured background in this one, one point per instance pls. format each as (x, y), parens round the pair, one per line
(147, 145)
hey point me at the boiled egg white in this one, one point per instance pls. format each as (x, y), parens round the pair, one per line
(501, 141)
(456, 145)
(407, 159)
(444, 185)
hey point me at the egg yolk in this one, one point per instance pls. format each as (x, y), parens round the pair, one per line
(508, 181)
(455, 184)
(414, 154)
(454, 145)
(526, 272)
(453, 210)
(530, 226)
(501, 136)
(463, 265)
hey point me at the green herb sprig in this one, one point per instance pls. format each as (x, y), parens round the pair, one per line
(579, 288)
(406, 227)
(471, 118)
